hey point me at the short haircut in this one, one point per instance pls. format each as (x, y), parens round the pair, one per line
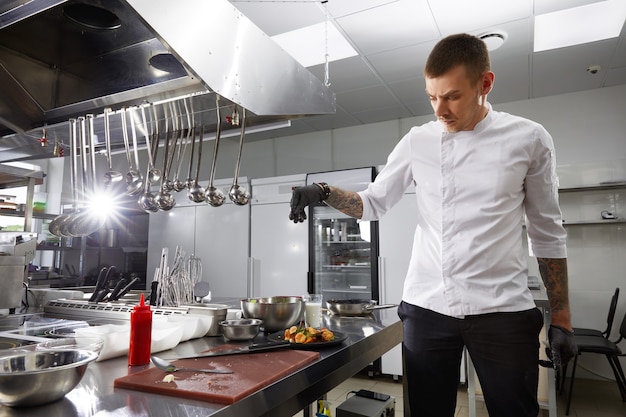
(459, 49)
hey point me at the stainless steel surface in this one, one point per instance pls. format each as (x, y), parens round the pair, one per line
(36, 378)
(12, 281)
(368, 338)
(62, 59)
(241, 329)
(277, 313)
(166, 366)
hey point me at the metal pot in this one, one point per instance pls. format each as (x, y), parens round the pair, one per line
(354, 308)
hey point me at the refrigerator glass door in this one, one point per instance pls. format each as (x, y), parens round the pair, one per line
(341, 256)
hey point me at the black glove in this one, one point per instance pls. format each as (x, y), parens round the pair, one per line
(562, 345)
(302, 197)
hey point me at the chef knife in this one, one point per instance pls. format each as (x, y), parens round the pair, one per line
(99, 284)
(126, 289)
(253, 348)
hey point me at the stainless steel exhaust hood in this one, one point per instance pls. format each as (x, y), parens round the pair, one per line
(64, 58)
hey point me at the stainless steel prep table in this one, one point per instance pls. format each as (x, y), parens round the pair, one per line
(367, 339)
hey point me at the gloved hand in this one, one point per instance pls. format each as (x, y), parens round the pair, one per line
(562, 345)
(302, 197)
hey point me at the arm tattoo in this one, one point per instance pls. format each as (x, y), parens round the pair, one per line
(554, 275)
(347, 202)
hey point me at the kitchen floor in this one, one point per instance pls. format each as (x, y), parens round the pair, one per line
(593, 398)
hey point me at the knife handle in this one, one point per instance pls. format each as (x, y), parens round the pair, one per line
(256, 347)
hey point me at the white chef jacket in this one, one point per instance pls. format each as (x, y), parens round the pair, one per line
(473, 189)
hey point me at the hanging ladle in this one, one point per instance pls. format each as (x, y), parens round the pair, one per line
(88, 221)
(147, 200)
(134, 181)
(154, 174)
(111, 176)
(238, 194)
(215, 196)
(55, 226)
(180, 185)
(196, 193)
(165, 201)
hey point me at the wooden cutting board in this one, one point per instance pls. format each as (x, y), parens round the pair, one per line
(251, 372)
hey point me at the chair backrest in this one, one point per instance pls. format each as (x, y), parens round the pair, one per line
(622, 330)
(611, 315)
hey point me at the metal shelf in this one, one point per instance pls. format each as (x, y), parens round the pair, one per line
(603, 186)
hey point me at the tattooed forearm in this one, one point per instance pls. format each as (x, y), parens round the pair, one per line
(347, 202)
(554, 275)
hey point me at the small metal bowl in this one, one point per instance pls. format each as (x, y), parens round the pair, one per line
(241, 329)
(30, 378)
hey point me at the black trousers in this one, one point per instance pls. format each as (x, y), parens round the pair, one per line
(504, 348)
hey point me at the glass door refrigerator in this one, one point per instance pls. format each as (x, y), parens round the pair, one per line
(343, 252)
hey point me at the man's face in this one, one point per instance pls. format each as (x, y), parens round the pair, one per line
(459, 104)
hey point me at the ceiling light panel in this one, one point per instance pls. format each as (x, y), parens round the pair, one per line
(309, 45)
(579, 25)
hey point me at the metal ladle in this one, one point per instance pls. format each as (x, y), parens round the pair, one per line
(87, 222)
(147, 200)
(134, 182)
(111, 176)
(55, 225)
(164, 200)
(180, 185)
(168, 184)
(166, 366)
(154, 174)
(238, 194)
(215, 196)
(196, 193)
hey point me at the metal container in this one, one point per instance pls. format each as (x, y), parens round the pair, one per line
(241, 329)
(215, 313)
(277, 313)
(35, 378)
(11, 280)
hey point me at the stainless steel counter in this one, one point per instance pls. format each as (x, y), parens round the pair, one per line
(367, 339)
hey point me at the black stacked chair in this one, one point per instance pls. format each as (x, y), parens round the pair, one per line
(602, 346)
(609, 321)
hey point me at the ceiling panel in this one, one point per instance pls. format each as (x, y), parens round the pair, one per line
(565, 70)
(391, 26)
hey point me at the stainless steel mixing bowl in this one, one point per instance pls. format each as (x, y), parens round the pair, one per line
(277, 313)
(241, 329)
(39, 377)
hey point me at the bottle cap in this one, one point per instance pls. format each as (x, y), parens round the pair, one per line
(142, 304)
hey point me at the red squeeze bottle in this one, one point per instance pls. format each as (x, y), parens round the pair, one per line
(140, 334)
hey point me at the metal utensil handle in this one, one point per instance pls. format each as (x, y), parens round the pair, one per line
(218, 133)
(241, 138)
(199, 155)
(92, 152)
(147, 136)
(125, 136)
(134, 133)
(107, 137)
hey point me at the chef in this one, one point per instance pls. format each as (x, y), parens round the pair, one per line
(477, 174)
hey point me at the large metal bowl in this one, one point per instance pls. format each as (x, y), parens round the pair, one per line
(39, 377)
(277, 313)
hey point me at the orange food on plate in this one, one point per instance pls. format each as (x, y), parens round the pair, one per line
(296, 334)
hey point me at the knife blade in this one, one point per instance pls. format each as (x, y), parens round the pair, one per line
(253, 348)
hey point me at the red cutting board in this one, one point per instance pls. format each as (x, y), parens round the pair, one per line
(251, 372)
